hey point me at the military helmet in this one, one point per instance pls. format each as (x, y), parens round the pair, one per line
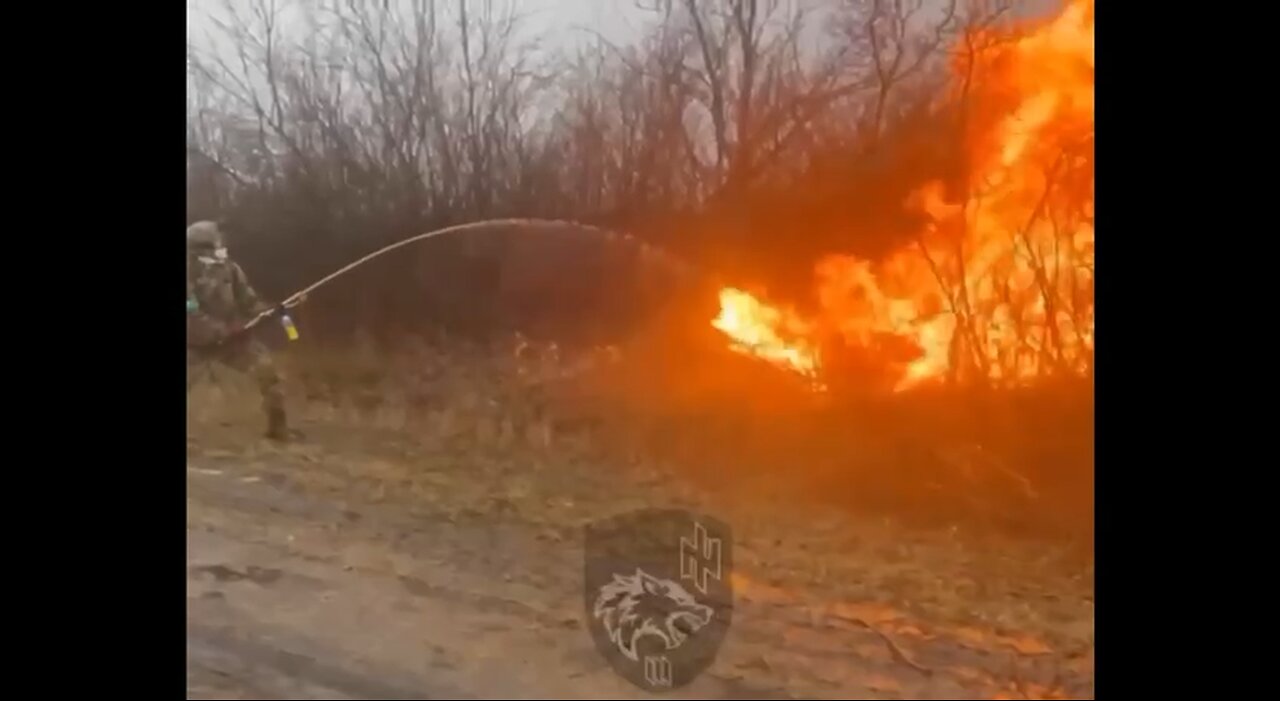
(204, 234)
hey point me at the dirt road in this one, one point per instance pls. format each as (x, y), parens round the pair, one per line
(363, 565)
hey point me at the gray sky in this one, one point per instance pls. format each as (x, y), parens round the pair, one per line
(556, 22)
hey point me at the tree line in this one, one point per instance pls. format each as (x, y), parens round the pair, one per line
(757, 134)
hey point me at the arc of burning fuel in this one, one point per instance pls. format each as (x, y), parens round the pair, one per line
(298, 297)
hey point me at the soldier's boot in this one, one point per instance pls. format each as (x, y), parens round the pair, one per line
(277, 426)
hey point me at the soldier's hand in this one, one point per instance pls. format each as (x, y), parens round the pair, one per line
(229, 330)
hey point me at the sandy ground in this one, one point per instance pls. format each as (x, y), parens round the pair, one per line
(364, 563)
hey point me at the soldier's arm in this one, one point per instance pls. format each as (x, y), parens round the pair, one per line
(246, 297)
(202, 329)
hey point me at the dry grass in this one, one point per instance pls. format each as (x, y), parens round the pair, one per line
(1013, 463)
(817, 492)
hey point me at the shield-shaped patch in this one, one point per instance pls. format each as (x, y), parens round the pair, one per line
(658, 595)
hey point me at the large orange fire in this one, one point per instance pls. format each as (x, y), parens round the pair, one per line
(999, 284)
(772, 333)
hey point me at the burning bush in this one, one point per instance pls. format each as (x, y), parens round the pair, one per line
(998, 286)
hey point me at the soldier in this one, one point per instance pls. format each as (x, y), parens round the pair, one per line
(220, 302)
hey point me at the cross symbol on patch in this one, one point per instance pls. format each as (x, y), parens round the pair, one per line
(700, 557)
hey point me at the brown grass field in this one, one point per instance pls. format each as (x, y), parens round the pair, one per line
(960, 528)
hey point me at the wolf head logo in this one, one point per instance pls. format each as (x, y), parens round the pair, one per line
(640, 610)
(634, 606)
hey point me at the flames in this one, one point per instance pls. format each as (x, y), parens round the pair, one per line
(774, 334)
(998, 286)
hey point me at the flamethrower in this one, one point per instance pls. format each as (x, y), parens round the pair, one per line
(297, 298)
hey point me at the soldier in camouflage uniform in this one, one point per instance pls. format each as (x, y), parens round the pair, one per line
(220, 302)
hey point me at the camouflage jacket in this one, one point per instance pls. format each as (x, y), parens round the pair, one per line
(218, 296)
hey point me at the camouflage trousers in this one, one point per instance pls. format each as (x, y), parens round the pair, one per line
(247, 356)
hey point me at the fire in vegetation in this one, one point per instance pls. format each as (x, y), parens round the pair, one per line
(998, 286)
(773, 333)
